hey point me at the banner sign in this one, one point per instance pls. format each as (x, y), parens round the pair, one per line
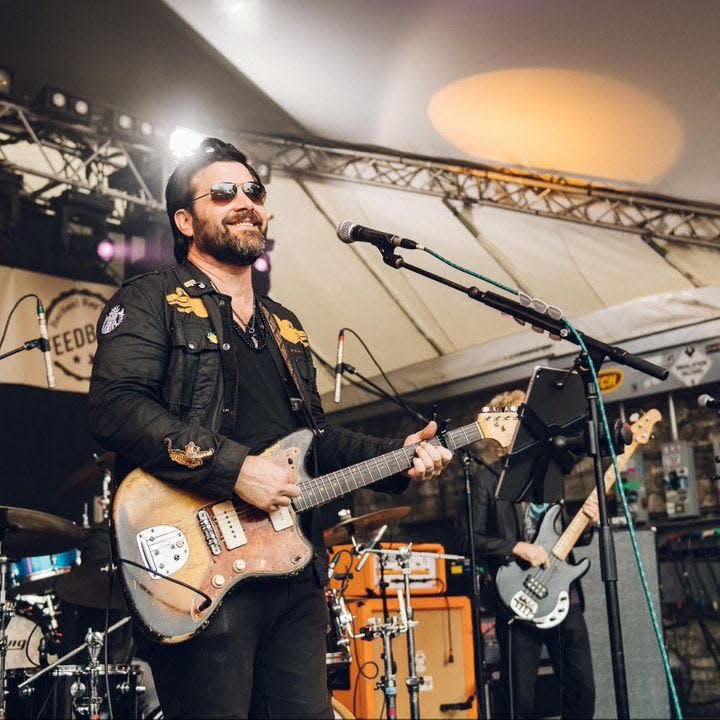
(72, 308)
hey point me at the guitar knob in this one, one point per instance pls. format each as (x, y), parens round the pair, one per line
(218, 581)
(239, 566)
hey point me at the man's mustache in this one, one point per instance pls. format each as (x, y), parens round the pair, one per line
(244, 216)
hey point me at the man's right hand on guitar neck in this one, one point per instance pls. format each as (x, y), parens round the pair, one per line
(266, 484)
(534, 554)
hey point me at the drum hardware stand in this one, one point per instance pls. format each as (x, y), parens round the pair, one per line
(6, 612)
(387, 630)
(407, 624)
(24, 687)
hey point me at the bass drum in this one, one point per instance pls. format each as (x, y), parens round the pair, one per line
(24, 644)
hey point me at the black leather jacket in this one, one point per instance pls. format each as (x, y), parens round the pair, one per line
(164, 371)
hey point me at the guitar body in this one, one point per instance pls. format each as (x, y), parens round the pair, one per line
(211, 545)
(540, 595)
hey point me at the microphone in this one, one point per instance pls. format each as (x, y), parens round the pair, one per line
(707, 401)
(371, 546)
(339, 364)
(45, 344)
(332, 564)
(349, 232)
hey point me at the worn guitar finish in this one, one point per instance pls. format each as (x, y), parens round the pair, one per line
(542, 595)
(214, 545)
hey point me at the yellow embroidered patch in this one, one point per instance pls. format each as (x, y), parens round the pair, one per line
(186, 304)
(212, 337)
(192, 456)
(291, 333)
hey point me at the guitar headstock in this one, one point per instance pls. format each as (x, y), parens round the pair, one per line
(642, 428)
(498, 425)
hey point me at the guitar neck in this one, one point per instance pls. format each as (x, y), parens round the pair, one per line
(577, 526)
(320, 490)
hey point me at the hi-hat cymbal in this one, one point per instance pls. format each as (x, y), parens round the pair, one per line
(26, 533)
(340, 534)
(90, 475)
(87, 585)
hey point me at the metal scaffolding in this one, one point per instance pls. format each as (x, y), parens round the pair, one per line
(653, 216)
(53, 156)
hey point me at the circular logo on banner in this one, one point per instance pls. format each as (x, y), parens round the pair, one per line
(71, 319)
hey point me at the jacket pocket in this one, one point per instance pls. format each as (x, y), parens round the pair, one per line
(194, 370)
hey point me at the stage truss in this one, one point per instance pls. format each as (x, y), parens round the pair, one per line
(52, 156)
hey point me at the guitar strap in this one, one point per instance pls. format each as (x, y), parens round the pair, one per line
(304, 400)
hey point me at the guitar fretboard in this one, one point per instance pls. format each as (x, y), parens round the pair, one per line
(320, 490)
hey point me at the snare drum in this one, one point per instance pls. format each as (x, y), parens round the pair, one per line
(38, 574)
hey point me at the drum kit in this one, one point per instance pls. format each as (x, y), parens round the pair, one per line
(42, 573)
(364, 534)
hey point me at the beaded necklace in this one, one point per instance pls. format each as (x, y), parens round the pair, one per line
(255, 333)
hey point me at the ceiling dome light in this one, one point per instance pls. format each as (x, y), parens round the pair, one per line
(81, 107)
(124, 122)
(559, 120)
(146, 129)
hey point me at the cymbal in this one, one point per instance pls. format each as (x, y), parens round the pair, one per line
(340, 533)
(26, 533)
(87, 585)
(90, 474)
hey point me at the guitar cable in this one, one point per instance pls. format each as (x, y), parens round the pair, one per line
(203, 606)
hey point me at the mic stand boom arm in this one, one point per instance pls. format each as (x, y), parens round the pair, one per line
(526, 314)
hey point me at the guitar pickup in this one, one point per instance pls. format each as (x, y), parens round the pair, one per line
(535, 587)
(523, 606)
(229, 525)
(281, 519)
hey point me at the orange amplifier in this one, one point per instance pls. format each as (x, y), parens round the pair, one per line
(427, 574)
(443, 654)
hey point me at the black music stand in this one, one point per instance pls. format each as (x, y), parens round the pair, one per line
(553, 421)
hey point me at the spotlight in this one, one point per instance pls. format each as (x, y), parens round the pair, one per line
(263, 170)
(106, 250)
(128, 126)
(59, 104)
(260, 271)
(6, 82)
(184, 141)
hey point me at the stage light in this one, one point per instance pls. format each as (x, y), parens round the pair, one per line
(260, 271)
(184, 141)
(263, 170)
(63, 106)
(83, 235)
(127, 126)
(149, 242)
(6, 82)
(106, 250)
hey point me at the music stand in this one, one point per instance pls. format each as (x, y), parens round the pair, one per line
(553, 420)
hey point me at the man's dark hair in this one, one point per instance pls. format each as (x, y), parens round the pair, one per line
(178, 191)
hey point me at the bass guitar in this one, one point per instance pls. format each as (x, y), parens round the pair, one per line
(542, 595)
(208, 547)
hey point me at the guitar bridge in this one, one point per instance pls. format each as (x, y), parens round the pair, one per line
(523, 606)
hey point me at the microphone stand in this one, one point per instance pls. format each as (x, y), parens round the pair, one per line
(598, 351)
(479, 645)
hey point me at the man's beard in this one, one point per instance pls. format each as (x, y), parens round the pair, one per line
(229, 245)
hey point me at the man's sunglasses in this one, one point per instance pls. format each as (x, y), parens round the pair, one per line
(224, 191)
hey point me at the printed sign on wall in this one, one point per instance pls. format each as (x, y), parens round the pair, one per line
(72, 309)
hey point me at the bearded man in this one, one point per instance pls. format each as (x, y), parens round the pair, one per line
(194, 376)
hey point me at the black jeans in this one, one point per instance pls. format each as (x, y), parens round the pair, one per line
(262, 656)
(569, 650)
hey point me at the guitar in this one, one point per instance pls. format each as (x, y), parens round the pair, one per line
(541, 595)
(164, 531)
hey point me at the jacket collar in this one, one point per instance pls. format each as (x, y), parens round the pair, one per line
(194, 281)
